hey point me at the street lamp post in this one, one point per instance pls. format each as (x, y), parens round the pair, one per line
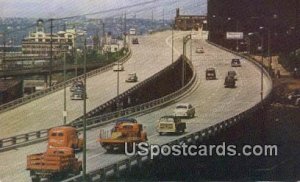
(172, 42)
(262, 69)
(84, 113)
(65, 92)
(185, 40)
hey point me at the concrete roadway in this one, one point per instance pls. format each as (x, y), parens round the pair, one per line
(212, 101)
(149, 57)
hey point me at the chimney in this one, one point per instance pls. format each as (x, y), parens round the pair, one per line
(177, 12)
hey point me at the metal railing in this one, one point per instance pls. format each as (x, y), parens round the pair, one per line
(54, 88)
(42, 135)
(115, 169)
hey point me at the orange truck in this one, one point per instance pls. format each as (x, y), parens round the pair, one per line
(55, 164)
(64, 136)
(124, 132)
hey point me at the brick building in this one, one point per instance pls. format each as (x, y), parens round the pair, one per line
(188, 22)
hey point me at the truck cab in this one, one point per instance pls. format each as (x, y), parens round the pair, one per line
(170, 124)
(65, 136)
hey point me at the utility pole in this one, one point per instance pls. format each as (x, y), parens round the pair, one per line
(4, 54)
(269, 50)
(262, 71)
(51, 53)
(84, 115)
(125, 23)
(163, 17)
(152, 19)
(237, 40)
(65, 92)
(172, 43)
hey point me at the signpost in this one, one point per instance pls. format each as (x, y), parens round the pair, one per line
(235, 35)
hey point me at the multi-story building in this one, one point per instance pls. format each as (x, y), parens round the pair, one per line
(188, 22)
(39, 42)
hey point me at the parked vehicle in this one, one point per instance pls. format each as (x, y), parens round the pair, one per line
(64, 136)
(132, 77)
(229, 82)
(118, 67)
(236, 63)
(210, 74)
(294, 97)
(135, 41)
(77, 85)
(55, 164)
(199, 50)
(123, 132)
(184, 110)
(170, 124)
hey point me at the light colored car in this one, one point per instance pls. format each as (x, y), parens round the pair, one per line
(170, 124)
(199, 50)
(294, 97)
(118, 67)
(184, 110)
(132, 77)
(78, 95)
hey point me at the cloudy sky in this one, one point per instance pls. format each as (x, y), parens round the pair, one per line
(65, 8)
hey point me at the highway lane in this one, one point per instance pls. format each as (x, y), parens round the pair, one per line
(15, 169)
(149, 57)
(212, 101)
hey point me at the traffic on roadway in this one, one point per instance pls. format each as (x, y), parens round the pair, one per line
(208, 103)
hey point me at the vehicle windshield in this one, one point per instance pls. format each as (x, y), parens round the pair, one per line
(236, 61)
(210, 71)
(181, 107)
(166, 120)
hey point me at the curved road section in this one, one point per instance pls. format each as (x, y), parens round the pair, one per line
(212, 101)
(148, 58)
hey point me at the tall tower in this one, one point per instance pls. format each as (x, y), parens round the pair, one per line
(40, 27)
(177, 12)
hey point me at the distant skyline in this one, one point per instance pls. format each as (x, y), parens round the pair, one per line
(66, 8)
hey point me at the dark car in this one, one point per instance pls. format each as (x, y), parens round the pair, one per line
(77, 85)
(236, 63)
(232, 74)
(135, 41)
(210, 74)
(229, 82)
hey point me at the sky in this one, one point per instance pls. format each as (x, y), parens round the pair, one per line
(66, 8)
